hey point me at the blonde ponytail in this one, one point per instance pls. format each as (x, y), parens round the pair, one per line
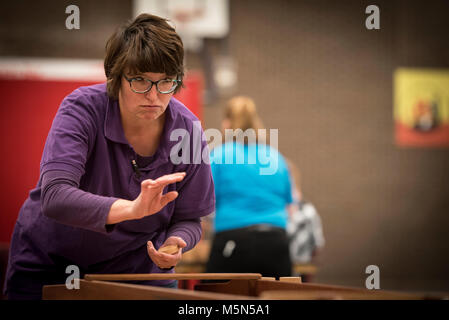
(241, 113)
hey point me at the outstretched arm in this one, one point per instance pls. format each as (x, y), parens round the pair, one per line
(150, 200)
(64, 202)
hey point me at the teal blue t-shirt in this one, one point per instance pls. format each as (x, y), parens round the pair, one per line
(252, 186)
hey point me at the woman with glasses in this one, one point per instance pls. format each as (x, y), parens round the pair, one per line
(109, 196)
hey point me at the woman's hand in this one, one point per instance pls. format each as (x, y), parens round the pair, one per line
(164, 260)
(150, 200)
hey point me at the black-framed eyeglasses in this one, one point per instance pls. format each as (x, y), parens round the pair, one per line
(141, 85)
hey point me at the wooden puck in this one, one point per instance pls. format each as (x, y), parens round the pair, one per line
(171, 249)
(290, 279)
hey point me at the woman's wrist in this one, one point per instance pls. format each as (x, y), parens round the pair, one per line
(121, 210)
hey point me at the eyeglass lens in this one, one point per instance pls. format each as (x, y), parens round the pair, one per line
(163, 86)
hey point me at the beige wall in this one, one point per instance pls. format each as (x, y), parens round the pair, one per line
(325, 82)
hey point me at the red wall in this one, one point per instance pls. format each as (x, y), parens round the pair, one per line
(27, 108)
(191, 94)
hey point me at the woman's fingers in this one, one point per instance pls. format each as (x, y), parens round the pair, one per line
(176, 240)
(162, 260)
(147, 184)
(163, 181)
(168, 197)
(169, 178)
(150, 248)
(151, 199)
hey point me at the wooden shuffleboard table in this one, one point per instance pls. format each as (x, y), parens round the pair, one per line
(227, 286)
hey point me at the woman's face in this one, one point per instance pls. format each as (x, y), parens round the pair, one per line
(146, 106)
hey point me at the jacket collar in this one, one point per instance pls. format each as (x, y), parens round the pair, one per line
(113, 129)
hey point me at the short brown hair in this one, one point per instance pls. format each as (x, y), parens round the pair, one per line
(145, 44)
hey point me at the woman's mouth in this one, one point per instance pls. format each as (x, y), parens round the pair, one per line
(150, 107)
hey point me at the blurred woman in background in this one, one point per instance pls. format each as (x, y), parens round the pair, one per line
(251, 202)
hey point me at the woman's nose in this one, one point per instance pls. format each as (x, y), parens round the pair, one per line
(152, 94)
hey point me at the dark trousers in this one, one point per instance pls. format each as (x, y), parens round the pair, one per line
(255, 249)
